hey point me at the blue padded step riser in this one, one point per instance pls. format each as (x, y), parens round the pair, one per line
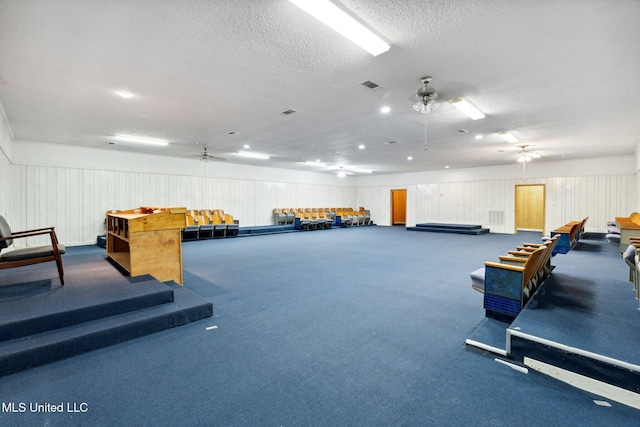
(63, 319)
(450, 226)
(474, 232)
(84, 338)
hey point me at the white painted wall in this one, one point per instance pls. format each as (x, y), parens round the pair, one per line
(5, 146)
(598, 188)
(71, 187)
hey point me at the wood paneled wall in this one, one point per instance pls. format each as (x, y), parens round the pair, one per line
(75, 200)
(5, 184)
(492, 203)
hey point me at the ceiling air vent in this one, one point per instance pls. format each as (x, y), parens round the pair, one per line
(461, 131)
(288, 112)
(370, 84)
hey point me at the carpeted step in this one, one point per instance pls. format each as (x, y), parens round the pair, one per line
(450, 228)
(46, 347)
(73, 305)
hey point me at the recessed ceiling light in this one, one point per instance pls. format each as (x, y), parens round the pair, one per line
(361, 146)
(124, 94)
(478, 136)
(385, 110)
(246, 146)
(141, 140)
(446, 167)
(409, 158)
(252, 155)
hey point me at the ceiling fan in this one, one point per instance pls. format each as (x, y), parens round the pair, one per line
(525, 155)
(427, 96)
(342, 173)
(205, 156)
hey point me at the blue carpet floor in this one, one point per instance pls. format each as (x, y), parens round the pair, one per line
(357, 327)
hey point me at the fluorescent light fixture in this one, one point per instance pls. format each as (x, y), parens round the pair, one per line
(467, 108)
(124, 94)
(316, 163)
(252, 155)
(141, 140)
(335, 18)
(508, 136)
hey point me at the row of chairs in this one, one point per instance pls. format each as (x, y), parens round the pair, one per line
(209, 224)
(631, 257)
(508, 284)
(315, 218)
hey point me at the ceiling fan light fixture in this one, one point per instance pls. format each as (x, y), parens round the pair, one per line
(140, 140)
(338, 20)
(425, 106)
(509, 137)
(468, 108)
(252, 155)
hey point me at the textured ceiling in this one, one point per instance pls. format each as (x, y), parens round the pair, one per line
(562, 75)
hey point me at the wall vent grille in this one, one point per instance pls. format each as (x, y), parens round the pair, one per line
(496, 218)
(370, 84)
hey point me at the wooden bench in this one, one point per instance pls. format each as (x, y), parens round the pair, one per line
(510, 283)
(570, 234)
(629, 226)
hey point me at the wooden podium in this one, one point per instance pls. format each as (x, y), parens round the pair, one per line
(147, 240)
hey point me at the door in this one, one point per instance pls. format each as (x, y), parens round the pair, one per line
(530, 207)
(398, 207)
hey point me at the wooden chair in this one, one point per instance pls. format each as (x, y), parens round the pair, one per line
(191, 231)
(30, 255)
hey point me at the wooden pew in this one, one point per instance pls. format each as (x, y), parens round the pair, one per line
(629, 226)
(570, 234)
(510, 283)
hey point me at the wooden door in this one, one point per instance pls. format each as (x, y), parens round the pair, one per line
(398, 207)
(530, 207)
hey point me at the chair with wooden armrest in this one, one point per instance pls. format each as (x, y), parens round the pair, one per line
(191, 231)
(205, 227)
(233, 225)
(29, 255)
(279, 217)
